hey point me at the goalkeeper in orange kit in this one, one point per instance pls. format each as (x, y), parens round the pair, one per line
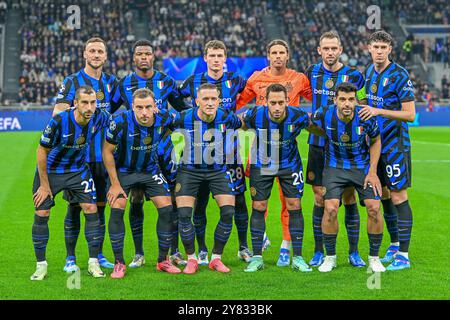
(297, 85)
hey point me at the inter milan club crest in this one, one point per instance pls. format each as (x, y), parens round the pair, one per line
(311, 175)
(207, 135)
(329, 84)
(374, 88)
(253, 191)
(147, 140)
(81, 140)
(345, 137)
(112, 125)
(178, 187)
(100, 95)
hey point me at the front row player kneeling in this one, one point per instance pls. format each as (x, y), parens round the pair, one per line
(352, 151)
(133, 137)
(277, 156)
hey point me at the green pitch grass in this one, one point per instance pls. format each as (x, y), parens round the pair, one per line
(428, 278)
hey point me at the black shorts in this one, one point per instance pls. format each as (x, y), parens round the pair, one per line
(100, 176)
(237, 174)
(189, 182)
(314, 169)
(336, 180)
(291, 182)
(153, 185)
(394, 170)
(79, 184)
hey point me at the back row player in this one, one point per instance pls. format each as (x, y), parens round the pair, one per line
(325, 77)
(165, 91)
(229, 86)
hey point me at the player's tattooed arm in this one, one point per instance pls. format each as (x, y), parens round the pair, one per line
(406, 114)
(60, 107)
(371, 177)
(108, 160)
(44, 190)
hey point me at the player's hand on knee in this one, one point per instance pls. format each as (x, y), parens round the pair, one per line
(41, 194)
(114, 192)
(373, 180)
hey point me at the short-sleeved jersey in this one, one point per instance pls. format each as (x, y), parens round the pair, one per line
(205, 142)
(68, 140)
(346, 143)
(296, 83)
(323, 85)
(137, 145)
(276, 144)
(229, 86)
(104, 88)
(163, 86)
(388, 90)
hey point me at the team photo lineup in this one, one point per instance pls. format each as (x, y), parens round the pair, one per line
(110, 147)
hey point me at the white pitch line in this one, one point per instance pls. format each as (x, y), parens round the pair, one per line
(433, 143)
(432, 161)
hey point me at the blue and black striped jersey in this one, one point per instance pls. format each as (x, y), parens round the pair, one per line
(68, 140)
(162, 85)
(205, 142)
(229, 86)
(388, 90)
(137, 145)
(323, 84)
(346, 143)
(276, 144)
(104, 88)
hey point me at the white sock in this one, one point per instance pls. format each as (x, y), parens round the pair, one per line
(216, 256)
(42, 263)
(192, 256)
(404, 254)
(285, 244)
(256, 256)
(374, 257)
(395, 244)
(265, 235)
(92, 260)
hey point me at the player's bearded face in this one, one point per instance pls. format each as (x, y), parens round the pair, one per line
(379, 51)
(278, 56)
(277, 103)
(208, 101)
(95, 55)
(330, 50)
(86, 105)
(144, 109)
(346, 103)
(215, 59)
(143, 58)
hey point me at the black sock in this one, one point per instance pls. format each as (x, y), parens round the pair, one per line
(330, 243)
(352, 225)
(40, 235)
(375, 243)
(101, 217)
(200, 220)
(137, 226)
(174, 224)
(92, 233)
(116, 228)
(241, 220)
(405, 223)
(296, 226)
(257, 229)
(164, 231)
(72, 228)
(223, 229)
(317, 228)
(186, 229)
(390, 216)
